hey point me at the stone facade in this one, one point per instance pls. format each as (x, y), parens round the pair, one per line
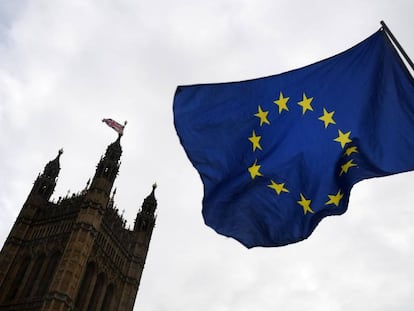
(76, 253)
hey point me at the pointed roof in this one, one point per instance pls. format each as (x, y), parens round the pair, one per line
(150, 202)
(114, 150)
(53, 167)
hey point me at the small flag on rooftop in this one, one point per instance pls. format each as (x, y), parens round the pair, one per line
(119, 128)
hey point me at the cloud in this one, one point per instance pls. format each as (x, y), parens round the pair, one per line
(65, 65)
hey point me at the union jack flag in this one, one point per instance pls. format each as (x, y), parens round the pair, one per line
(119, 128)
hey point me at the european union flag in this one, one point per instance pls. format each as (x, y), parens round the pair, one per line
(277, 154)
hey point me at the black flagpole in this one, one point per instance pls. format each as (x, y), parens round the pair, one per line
(397, 44)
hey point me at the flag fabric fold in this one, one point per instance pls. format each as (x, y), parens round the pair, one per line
(119, 128)
(277, 154)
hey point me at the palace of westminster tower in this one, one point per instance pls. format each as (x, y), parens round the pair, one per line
(76, 253)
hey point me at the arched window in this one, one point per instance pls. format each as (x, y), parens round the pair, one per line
(42, 189)
(21, 272)
(28, 289)
(106, 172)
(97, 292)
(109, 293)
(83, 290)
(48, 273)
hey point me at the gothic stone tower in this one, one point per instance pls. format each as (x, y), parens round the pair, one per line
(76, 253)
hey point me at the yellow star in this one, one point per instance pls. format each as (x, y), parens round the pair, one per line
(254, 170)
(343, 139)
(255, 140)
(305, 103)
(351, 150)
(346, 167)
(281, 102)
(279, 188)
(334, 199)
(262, 115)
(305, 204)
(327, 117)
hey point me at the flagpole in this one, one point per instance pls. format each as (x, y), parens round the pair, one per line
(397, 44)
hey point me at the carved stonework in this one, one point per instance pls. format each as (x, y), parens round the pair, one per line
(75, 253)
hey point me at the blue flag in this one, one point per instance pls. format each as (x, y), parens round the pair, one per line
(277, 154)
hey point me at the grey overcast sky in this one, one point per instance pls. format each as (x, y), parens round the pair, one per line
(65, 65)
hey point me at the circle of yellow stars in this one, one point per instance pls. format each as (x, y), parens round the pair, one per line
(327, 117)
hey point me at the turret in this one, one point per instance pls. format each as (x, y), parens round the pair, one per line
(144, 224)
(45, 183)
(146, 216)
(107, 169)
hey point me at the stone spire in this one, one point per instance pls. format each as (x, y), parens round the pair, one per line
(107, 168)
(146, 216)
(45, 183)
